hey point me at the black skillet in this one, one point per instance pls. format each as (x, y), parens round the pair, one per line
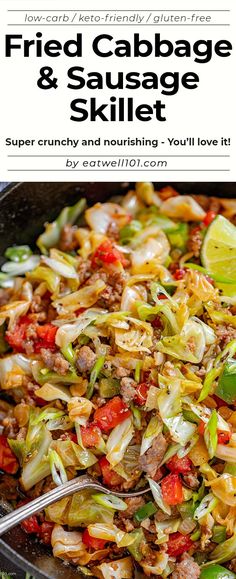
(24, 208)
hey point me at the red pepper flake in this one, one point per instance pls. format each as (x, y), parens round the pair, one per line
(209, 217)
(141, 394)
(179, 274)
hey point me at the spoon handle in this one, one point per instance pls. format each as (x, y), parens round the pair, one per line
(15, 517)
(77, 484)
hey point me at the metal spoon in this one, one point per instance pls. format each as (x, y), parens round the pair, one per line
(79, 483)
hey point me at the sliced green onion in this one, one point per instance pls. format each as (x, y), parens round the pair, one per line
(20, 268)
(210, 434)
(207, 505)
(137, 417)
(68, 353)
(85, 571)
(6, 280)
(57, 468)
(158, 498)
(191, 416)
(18, 253)
(110, 501)
(145, 512)
(227, 352)
(128, 231)
(210, 377)
(83, 340)
(196, 535)
(217, 278)
(178, 236)
(94, 375)
(137, 372)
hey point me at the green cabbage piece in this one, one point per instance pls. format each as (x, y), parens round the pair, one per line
(43, 273)
(33, 453)
(128, 231)
(139, 541)
(73, 454)
(79, 510)
(180, 429)
(43, 375)
(178, 346)
(52, 232)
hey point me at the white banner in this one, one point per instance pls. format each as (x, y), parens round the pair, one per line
(92, 93)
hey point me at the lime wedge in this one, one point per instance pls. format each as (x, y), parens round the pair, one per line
(218, 253)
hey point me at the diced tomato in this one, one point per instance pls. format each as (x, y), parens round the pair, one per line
(39, 401)
(110, 477)
(31, 525)
(111, 414)
(179, 465)
(8, 461)
(157, 323)
(80, 311)
(172, 489)
(178, 544)
(179, 274)
(218, 401)
(72, 437)
(107, 253)
(141, 394)
(16, 337)
(210, 215)
(168, 192)
(90, 435)
(46, 337)
(209, 279)
(223, 436)
(92, 542)
(46, 532)
(201, 427)
(162, 297)
(196, 229)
